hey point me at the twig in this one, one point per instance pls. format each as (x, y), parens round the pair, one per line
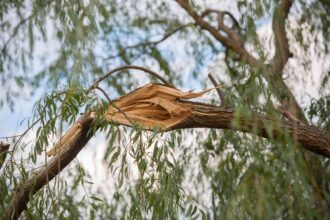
(20, 138)
(113, 104)
(104, 93)
(22, 22)
(152, 43)
(126, 68)
(26, 131)
(20, 135)
(220, 93)
(10, 137)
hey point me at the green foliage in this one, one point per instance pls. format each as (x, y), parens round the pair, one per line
(190, 174)
(320, 111)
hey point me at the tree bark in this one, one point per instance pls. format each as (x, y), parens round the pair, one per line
(203, 116)
(22, 194)
(3, 152)
(273, 72)
(311, 138)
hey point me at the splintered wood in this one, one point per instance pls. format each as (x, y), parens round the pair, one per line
(151, 106)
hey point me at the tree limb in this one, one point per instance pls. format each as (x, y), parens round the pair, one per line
(272, 73)
(202, 116)
(311, 138)
(21, 196)
(239, 49)
(282, 53)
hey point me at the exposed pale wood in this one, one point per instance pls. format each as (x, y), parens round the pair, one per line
(45, 174)
(144, 106)
(153, 105)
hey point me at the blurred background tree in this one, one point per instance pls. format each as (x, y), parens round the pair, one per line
(264, 53)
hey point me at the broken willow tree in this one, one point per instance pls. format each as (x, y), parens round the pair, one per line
(265, 153)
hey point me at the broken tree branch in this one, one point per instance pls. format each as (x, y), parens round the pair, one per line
(158, 105)
(23, 193)
(175, 114)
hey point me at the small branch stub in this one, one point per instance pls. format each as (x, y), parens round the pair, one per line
(4, 147)
(220, 92)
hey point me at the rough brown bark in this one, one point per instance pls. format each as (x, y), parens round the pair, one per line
(282, 53)
(203, 116)
(272, 72)
(284, 95)
(22, 194)
(311, 138)
(3, 152)
(235, 46)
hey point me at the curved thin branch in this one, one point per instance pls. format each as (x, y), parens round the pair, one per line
(21, 136)
(104, 93)
(219, 91)
(153, 43)
(95, 84)
(21, 23)
(111, 103)
(11, 37)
